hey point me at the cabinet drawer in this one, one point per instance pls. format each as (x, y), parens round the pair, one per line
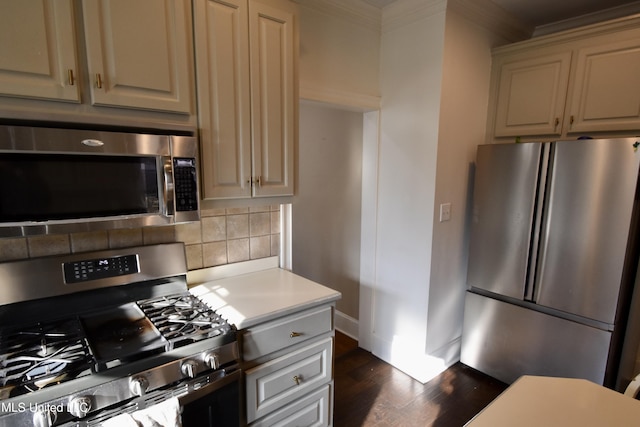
(274, 384)
(281, 333)
(311, 410)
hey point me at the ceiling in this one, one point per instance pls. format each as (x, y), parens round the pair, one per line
(539, 13)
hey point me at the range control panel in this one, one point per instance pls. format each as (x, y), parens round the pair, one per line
(93, 269)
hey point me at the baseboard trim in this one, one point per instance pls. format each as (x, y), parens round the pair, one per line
(410, 359)
(346, 324)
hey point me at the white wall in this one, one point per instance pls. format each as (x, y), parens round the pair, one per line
(326, 210)
(435, 67)
(411, 75)
(419, 136)
(463, 111)
(339, 52)
(339, 67)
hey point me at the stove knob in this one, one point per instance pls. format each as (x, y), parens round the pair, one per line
(44, 417)
(212, 360)
(189, 368)
(79, 406)
(138, 385)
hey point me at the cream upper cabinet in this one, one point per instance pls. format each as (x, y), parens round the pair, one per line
(224, 97)
(274, 100)
(532, 94)
(580, 82)
(246, 66)
(606, 92)
(98, 62)
(138, 53)
(38, 50)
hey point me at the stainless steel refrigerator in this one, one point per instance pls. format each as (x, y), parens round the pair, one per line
(552, 258)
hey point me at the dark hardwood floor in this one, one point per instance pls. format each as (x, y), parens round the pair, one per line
(372, 393)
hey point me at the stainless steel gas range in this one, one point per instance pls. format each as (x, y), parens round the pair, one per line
(89, 337)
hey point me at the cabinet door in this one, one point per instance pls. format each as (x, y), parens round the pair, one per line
(38, 48)
(274, 99)
(139, 53)
(531, 95)
(281, 381)
(606, 93)
(281, 333)
(312, 410)
(222, 65)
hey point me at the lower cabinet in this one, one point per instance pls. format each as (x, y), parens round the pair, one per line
(288, 365)
(314, 409)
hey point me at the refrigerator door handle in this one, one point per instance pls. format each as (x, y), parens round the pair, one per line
(538, 222)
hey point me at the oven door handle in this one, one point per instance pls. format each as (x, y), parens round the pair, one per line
(209, 388)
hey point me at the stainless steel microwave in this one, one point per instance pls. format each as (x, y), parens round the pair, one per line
(68, 180)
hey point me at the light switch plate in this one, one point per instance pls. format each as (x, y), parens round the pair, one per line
(445, 212)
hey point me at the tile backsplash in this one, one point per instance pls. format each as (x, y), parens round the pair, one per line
(225, 236)
(222, 236)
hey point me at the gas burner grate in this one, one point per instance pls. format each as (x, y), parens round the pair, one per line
(39, 355)
(183, 319)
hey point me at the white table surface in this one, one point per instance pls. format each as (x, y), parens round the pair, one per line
(534, 401)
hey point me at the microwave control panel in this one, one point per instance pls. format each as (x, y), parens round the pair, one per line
(185, 184)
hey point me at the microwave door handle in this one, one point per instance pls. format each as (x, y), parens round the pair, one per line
(168, 187)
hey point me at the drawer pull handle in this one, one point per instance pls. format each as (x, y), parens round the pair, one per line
(295, 334)
(297, 379)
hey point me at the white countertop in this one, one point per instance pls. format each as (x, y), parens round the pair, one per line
(534, 401)
(251, 298)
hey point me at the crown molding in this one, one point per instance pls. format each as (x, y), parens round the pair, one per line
(404, 12)
(493, 18)
(356, 12)
(482, 12)
(630, 22)
(588, 19)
